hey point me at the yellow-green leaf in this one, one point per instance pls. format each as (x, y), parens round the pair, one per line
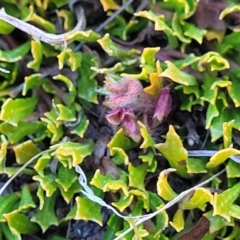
(221, 156)
(199, 199)
(48, 183)
(26, 201)
(147, 139)
(174, 152)
(77, 151)
(20, 223)
(163, 188)
(177, 75)
(25, 151)
(178, 220)
(88, 210)
(108, 183)
(113, 49)
(109, 4)
(13, 111)
(46, 217)
(37, 50)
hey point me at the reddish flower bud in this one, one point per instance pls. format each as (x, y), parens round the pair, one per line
(115, 116)
(120, 115)
(126, 118)
(163, 104)
(128, 93)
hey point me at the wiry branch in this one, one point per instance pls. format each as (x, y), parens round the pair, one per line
(52, 39)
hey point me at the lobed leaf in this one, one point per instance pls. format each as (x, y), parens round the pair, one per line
(13, 111)
(88, 210)
(174, 152)
(46, 217)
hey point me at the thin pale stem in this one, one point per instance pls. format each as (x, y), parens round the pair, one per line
(52, 39)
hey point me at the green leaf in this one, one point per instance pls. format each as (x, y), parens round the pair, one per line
(60, 3)
(147, 139)
(16, 54)
(137, 176)
(147, 63)
(108, 183)
(123, 202)
(70, 86)
(229, 42)
(142, 197)
(178, 76)
(41, 195)
(66, 177)
(69, 20)
(36, 49)
(178, 220)
(81, 128)
(227, 133)
(3, 153)
(191, 31)
(174, 152)
(6, 28)
(230, 9)
(66, 113)
(25, 151)
(114, 225)
(113, 49)
(14, 134)
(195, 165)
(199, 199)
(13, 111)
(162, 219)
(8, 234)
(77, 151)
(120, 156)
(212, 112)
(217, 222)
(32, 81)
(149, 158)
(41, 163)
(72, 59)
(177, 29)
(8, 204)
(118, 67)
(46, 216)
(209, 93)
(233, 88)
(163, 188)
(223, 203)
(54, 126)
(87, 84)
(160, 25)
(26, 201)
(20, 223)
(233, 169)
(48, 183)
(69, 194)
(119, 140)
(109, 4)
(221, 156)
(214, 60)
(88, 210)
(83, 36)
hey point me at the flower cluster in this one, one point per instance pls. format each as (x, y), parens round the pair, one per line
(129, 103)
